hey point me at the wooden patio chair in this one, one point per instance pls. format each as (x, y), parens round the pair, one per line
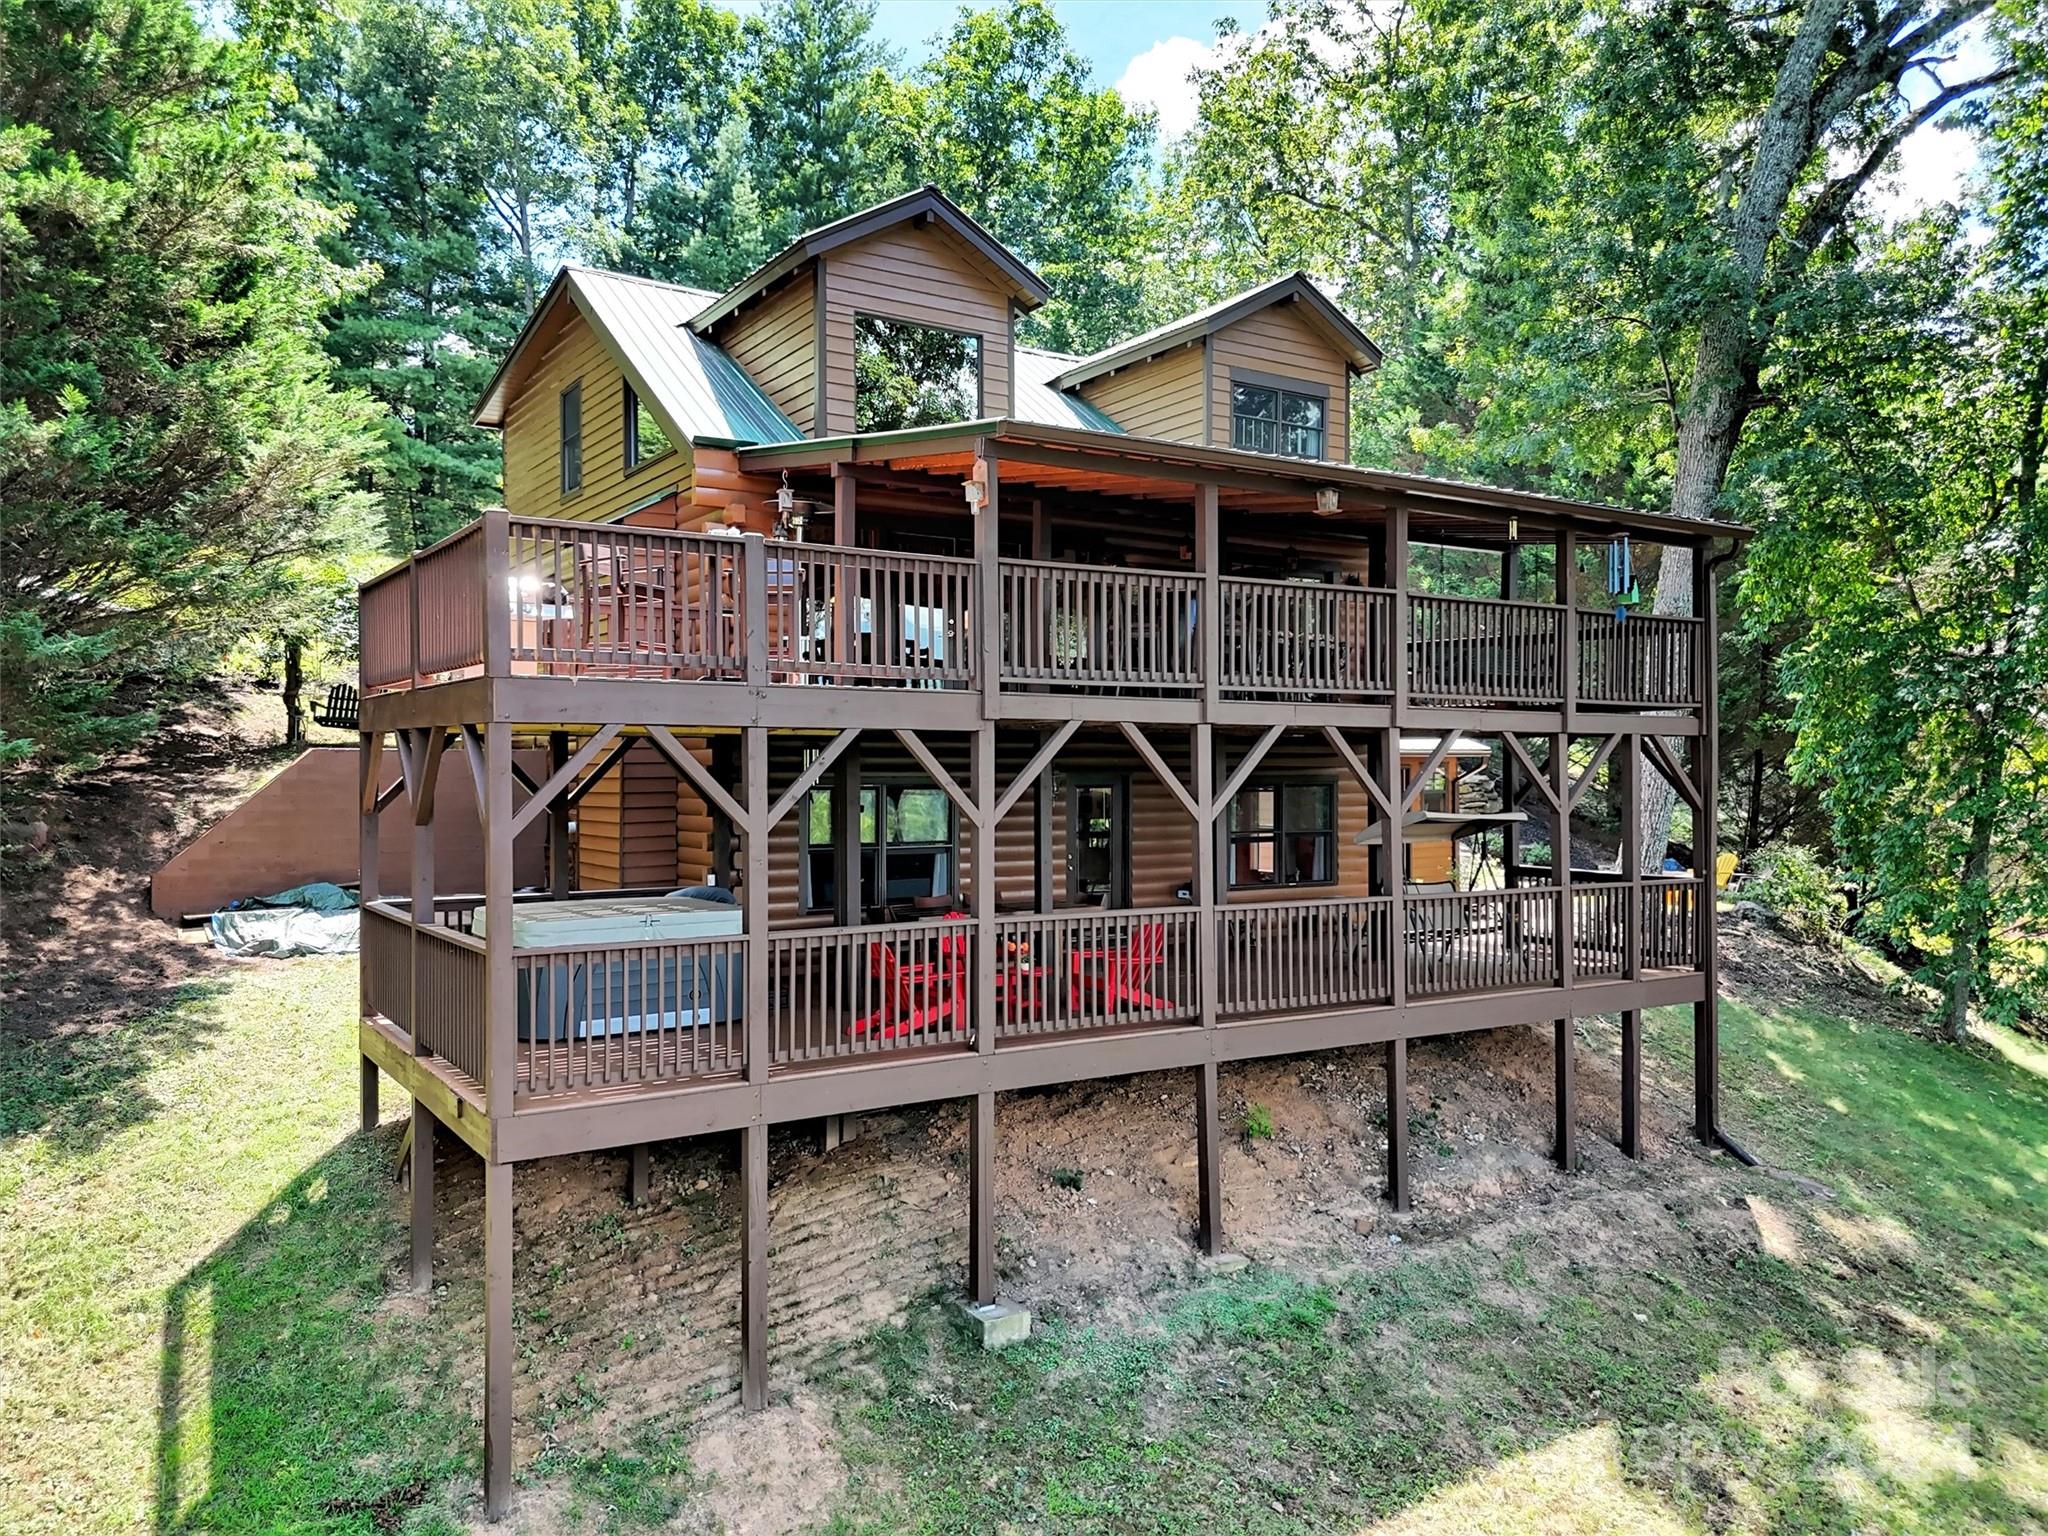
(920, 994)
(1117, 976)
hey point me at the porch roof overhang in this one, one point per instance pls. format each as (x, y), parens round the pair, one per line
(1079, 459)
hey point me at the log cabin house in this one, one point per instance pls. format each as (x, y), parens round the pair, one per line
(1012, 719)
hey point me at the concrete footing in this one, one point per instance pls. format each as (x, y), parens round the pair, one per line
(1216, 1265)
(997, 1324)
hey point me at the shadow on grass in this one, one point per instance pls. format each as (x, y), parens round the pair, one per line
(290, 1395)
(79, 1089)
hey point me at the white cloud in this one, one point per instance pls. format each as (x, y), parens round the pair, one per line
(1161, 78)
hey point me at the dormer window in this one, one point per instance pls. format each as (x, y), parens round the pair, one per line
(908, 375)
(645, 438)
(1277, 416)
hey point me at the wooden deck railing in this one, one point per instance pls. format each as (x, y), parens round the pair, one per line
(863, 616)
(1599, 931)
(1301, 956)
(663, 1012)
(606, 600)
(1468, 650)
(1481, 941)
(838, 992)
(1644, 659)
(1306, 640)
(1671, 923)
(1065, 971)
(591, 1015)
(1098, 627)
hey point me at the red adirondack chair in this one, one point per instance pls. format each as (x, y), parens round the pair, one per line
(1117, 976)
(922, 994)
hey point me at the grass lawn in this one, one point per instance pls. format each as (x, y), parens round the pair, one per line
(195, 1332)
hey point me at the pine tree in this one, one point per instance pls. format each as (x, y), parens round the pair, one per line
(170, 440)
(425, 334)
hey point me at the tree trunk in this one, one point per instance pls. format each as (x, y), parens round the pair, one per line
(294, 685)
(1970, 944)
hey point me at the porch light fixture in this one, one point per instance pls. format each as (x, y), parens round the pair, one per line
(1326, 500)
(975, 487)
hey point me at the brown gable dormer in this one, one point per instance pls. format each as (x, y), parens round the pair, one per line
(916, 259)
(1269, 370)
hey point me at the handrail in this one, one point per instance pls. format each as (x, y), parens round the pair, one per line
(620, 600)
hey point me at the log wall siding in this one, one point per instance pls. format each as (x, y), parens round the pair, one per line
(532, 439)
(925, 276)
(626, 827)
(722, 494)
(1160, 397)
(1277, 341)
(776, 342)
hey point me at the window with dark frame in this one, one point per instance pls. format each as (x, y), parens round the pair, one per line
(916, 856)
(645, 439)
(572, 438)
(1268, 419)
(1283, 834)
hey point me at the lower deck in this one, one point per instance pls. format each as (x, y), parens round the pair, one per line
(623, 1046)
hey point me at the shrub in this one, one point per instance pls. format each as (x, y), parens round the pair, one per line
(1258, 1122)
(1800, 889)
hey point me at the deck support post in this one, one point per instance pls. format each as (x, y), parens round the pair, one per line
(369, 753)
(754, 900)
(427, 758)
(497, 1338)
(847, 894)
(1632, 1083)
(1202, 758)
(986, 1015)
(1706, 841)
(1044, 887)
(1397, 1123)
(1394, 857)
(1208, 1161)
(422, 1198)
(754, 1266)
(640, 1173)
(981, 1199)
(1566, 1146)
(558, 817)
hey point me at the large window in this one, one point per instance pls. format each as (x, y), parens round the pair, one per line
(644, 437)
(907, 375)
(1269, 419)
(1283, 834)
(572, 437)
(915, 859)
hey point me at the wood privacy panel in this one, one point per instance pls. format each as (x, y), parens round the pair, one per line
(927, 276)
(1278, 342)
(301, 825)
(533, 435)
(1161, 397)
(776, 342)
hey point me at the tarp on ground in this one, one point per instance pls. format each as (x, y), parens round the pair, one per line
(315, 919)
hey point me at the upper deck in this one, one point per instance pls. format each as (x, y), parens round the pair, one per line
(529, 598)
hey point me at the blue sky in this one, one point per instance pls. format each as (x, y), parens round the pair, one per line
(1142, 47)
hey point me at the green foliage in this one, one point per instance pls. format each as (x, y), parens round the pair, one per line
(170, 441)
(392, 99)
(1905, 530)
(912, 375)
(1258, 1123)
(1802, 890)
(1006, 122)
